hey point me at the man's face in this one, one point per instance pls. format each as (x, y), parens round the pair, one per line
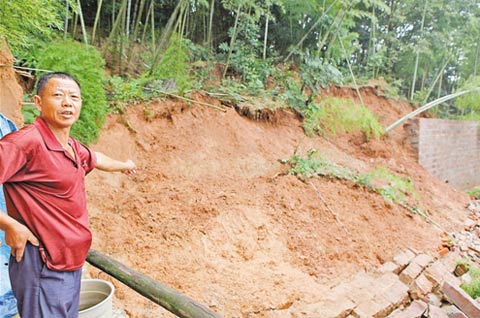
(59, 102)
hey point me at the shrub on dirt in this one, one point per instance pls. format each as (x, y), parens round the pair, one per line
(317, 165)
(334, 115)
(475, 192)
(87, 66)
(392, 187)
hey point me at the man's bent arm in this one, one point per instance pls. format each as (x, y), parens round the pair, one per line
(106, 163)
(16, 235)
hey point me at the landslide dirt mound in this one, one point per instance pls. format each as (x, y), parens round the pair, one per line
(212, 213)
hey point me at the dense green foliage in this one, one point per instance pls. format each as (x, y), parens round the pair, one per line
(87, 66)
(121, 92)
(174, 65)
(469, 104)
(28, 24)
(423, 50)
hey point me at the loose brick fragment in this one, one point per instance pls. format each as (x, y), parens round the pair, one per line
(436, 312)
(415, 310)
(423, 260)
(388, 267)
(397, 294)
(436, 273)
(420, 287)
(403, 259)
(411, 272)
(340, 308)
(377, 307)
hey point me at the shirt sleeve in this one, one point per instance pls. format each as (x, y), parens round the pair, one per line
(87, 156)
(12, 159)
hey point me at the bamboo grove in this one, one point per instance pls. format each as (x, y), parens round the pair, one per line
(426, 49)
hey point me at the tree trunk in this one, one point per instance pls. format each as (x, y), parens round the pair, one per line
(324, 38)
(436, 79)
(97, 17)
(210, 25)
(116, 24)
(127, 22)
(170, 299)
(372, 42)
(232, 40)
(82, 23)
(65, 31)
(310, 30)
(152, 17)
(133, 38)
(475, 64)
(417, 56)
(265, 38)
(166, 34)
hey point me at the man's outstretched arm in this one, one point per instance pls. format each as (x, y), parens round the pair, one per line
(105, 163)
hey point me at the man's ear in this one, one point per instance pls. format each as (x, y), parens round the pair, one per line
(38, 102)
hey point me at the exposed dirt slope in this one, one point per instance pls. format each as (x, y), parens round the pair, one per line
(211, 212)
(10, 91)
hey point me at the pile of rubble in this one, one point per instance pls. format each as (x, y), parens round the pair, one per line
(468, 241)
(413, 284)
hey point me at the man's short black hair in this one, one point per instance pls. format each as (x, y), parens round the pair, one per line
(43, 80)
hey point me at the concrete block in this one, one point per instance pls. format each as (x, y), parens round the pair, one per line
(453, 312)
(388, 267)
(457, 296)
(436, 273)
(373, 308)
(420, 287)
(434, 299)
(411, 272)
(385, 281)
(436, 312)
(361, 288)
(416, 310)
(403, 259)
(423, 260)
(331, 308)
(397, 294)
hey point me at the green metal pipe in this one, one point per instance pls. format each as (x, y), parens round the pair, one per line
(170, 299)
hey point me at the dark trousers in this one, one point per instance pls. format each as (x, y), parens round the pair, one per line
(41, 292)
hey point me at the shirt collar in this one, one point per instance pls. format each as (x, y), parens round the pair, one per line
(47, 135)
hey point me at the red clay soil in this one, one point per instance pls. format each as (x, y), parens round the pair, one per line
(10, 91)
(212, 212)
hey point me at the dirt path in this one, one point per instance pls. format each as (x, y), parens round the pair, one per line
(212, 213)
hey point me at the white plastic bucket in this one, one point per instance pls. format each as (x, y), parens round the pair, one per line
(96, 299)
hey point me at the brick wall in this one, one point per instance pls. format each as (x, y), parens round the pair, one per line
(447, 149)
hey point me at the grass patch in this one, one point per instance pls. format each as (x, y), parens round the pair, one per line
(390, 186)
(473, 287)
(316, 165)
(475, 192)
(334, 115)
